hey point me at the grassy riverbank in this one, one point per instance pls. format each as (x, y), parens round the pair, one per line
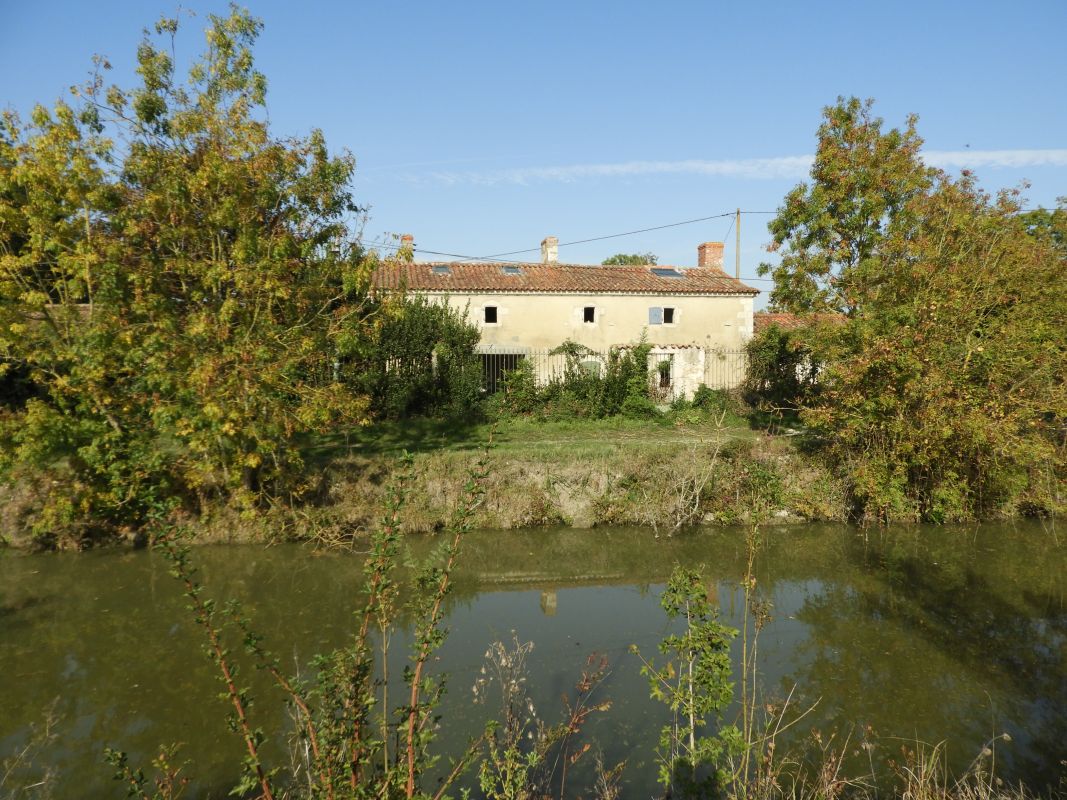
(679, 469)
(665, 474)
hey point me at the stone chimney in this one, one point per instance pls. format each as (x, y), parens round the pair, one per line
(550, 250)
(709, 255)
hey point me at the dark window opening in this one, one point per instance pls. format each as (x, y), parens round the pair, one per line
(668, 316)
(490, 314)
(589, 314)
(664, 369)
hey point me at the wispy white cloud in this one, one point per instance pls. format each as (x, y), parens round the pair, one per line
(789, 167)
(972, 159)
(781, 167)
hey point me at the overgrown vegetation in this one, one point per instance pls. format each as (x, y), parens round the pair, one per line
(587, 386)
(940, 384)
(417, 359)
(694, 683)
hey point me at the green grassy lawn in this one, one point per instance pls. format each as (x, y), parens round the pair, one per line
(575, 437)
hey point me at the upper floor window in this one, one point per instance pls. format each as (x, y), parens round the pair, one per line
(589, 314)
(490, 315)
(660, 316)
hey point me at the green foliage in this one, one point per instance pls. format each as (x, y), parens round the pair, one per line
(524, 757)
(941, 393)
(828, 233)
(586, 388)
(694, 683)
(630, 259)
(417, 359)
(781, 374)
(174, 281)
(1042, 222)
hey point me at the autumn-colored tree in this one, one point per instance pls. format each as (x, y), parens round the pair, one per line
(178, 282)
(942, 392)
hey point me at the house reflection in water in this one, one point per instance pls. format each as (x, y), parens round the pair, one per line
(548, 603)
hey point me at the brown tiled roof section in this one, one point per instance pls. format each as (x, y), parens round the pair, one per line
(534, 278)
(762, 320)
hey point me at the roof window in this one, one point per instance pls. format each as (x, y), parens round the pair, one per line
(666, 272)
(512, 270)
(441, 270)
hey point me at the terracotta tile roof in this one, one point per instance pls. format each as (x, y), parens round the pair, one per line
(550, 278)
(762, 320)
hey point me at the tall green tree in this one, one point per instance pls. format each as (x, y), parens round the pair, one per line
(178, 282)
(828, 231)
(942, 391)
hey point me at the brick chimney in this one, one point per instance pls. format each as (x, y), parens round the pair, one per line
(407, 240)
(550, 250)
(709, 255)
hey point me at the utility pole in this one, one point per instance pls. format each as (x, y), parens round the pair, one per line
(737, 248)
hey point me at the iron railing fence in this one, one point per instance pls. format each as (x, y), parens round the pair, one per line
(673, 371)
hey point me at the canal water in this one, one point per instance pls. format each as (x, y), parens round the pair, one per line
(893, 637)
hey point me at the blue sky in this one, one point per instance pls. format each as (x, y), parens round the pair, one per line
(483, 127)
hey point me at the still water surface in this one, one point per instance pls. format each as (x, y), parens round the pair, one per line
(931, 634)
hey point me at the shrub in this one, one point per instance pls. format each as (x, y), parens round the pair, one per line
(620, 386)
(421, 360)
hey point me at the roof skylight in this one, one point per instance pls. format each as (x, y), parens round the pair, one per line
(441, 270)
(666, 272)
(512, 270)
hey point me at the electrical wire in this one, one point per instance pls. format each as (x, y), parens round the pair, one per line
(499, 257)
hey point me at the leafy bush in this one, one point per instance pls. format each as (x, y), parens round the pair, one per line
(419, 360)
(620, 386)
(781, 374)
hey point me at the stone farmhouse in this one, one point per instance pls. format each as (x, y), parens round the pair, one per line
(697, 319)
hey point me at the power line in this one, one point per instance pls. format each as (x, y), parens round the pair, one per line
(617, 235)
(460, 256)
(500, 256)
